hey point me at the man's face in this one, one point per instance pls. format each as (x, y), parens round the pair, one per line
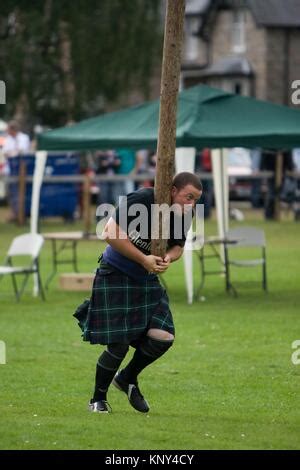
(186, 197)
(12, 131)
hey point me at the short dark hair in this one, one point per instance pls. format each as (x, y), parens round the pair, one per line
(13, 125)
(183, 179)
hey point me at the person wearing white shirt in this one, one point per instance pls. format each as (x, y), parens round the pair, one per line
(16, 142)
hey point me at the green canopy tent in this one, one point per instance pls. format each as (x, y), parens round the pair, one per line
(206, 117)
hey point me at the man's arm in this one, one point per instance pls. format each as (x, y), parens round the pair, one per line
(117, 239)
(175, 252)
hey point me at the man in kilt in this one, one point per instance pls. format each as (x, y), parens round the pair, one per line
(128, 306)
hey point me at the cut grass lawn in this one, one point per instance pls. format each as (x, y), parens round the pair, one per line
(228, 382)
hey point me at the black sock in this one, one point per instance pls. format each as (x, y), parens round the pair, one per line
(107, 366)
(147, 352)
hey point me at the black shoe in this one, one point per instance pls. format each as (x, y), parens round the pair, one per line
(100, 406)
(133, 393)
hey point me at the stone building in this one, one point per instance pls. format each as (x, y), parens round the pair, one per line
(251, 47)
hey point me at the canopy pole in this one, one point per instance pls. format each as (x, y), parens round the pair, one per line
(185, 161)
(39, 168)
(166, 143)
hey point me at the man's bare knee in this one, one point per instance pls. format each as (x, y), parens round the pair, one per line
(161, 335)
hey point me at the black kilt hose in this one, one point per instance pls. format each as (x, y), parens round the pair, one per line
(122, 310)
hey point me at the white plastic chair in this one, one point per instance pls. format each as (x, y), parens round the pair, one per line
(247, 237)
(24, 245)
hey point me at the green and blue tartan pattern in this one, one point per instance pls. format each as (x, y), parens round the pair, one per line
(121, 309)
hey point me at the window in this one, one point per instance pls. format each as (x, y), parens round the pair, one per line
(237, 88)
(238, 32)
(192, 46)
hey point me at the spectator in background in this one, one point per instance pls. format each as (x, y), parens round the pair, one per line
(268, 163)
(296, 158)
(16, 142)
(152, 159)
(128, 166)
(256, 182)
(152, 163)
(203, 163)
(107, 164)
(141, 165)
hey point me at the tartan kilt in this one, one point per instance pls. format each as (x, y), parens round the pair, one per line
(122, 309)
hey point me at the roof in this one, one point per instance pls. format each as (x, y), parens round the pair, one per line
(231, 65)
(271, 13)
(267, 13)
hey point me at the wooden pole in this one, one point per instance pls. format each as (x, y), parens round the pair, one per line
(166, 144)
(22, 193)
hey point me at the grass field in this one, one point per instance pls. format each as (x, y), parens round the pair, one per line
(228, 382)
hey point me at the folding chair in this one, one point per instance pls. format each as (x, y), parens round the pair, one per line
(24, 245)
(246, 237)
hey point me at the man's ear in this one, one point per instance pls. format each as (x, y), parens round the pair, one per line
(174, 190)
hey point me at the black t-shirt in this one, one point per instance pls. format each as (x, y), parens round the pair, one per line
(135, 215)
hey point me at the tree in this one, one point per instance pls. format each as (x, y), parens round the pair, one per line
(64, 60)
